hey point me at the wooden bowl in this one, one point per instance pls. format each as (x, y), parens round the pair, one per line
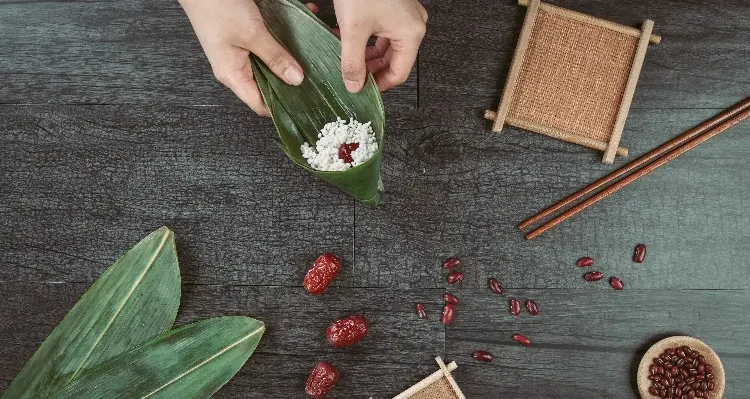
(673, 342)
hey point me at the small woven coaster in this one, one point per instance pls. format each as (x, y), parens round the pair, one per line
(573, 77)
(438, 385)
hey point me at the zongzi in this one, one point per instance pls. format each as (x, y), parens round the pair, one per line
(321, 104)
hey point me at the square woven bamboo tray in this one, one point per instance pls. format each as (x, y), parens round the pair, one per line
(573, 77)
(438, 385)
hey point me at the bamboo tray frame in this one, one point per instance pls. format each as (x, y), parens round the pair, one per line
(438, 385)
(548, 112)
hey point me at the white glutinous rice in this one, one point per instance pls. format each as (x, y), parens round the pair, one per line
(325, 155)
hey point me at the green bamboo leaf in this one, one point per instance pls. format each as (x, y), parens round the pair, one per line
(299, 112)
(134, 299)
(192, 361)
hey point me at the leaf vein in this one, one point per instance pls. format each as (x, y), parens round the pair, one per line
(203, 363)
(151, 261)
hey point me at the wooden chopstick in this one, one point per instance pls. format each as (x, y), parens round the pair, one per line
(673, 148)
(645, 158)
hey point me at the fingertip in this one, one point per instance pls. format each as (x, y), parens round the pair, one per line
(312, 7)
(387, 80)
(294, 75)
(354, 86)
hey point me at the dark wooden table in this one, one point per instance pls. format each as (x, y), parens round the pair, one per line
(112, 125)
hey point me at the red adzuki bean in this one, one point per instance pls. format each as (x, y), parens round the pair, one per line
(521, 339)
(455, 277)
(593, 276)
(585, 261)
(421, 312)
(680, 373)
(483, 356)
(447, 314)
(532, 307)
(515, 307)
(495, 285)
(639, 254)
(450, 263)
(450, 298)
(617, 284)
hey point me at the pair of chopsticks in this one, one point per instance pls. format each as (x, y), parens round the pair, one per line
(652, 160)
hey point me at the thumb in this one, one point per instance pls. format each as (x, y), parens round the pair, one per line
(353, 67)
(278, 60)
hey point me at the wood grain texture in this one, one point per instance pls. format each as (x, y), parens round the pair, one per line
(456, 189)
(702, 61)
(213, 174)
(588, 343)
(112, 52)
(248, 223)
(398, 351)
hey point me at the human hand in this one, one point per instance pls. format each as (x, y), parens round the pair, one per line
(399, 26)
(228, 31)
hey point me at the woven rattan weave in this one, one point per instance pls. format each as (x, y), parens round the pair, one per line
(573, 77)
(438, 385)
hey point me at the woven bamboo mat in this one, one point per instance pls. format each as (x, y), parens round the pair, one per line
(438, 385)
(573, 77)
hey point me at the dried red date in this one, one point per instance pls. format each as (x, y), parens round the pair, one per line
(345, 152)
(450, 298)
(515, 307)
(455, 277)
(421, 312)
(483, 356)
(639, 253)
(593, 276)
(617, 284)
(447, 314)
(521, 339)
(450, 263)
(322, 379)
(495, 285)
(585, 262)
(347, 332)
(532, 307)
(322, 273)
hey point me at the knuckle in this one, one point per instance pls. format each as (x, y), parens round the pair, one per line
(423, 13)
(417, 30)
(250, 32)
(351, 69)
(254, 28)
(276, 60)
(400, 78)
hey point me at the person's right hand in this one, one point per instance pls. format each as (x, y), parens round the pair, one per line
(228, 31)
(399, 26)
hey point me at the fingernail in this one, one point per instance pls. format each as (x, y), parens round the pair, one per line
(293, 75)
(352, 85)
